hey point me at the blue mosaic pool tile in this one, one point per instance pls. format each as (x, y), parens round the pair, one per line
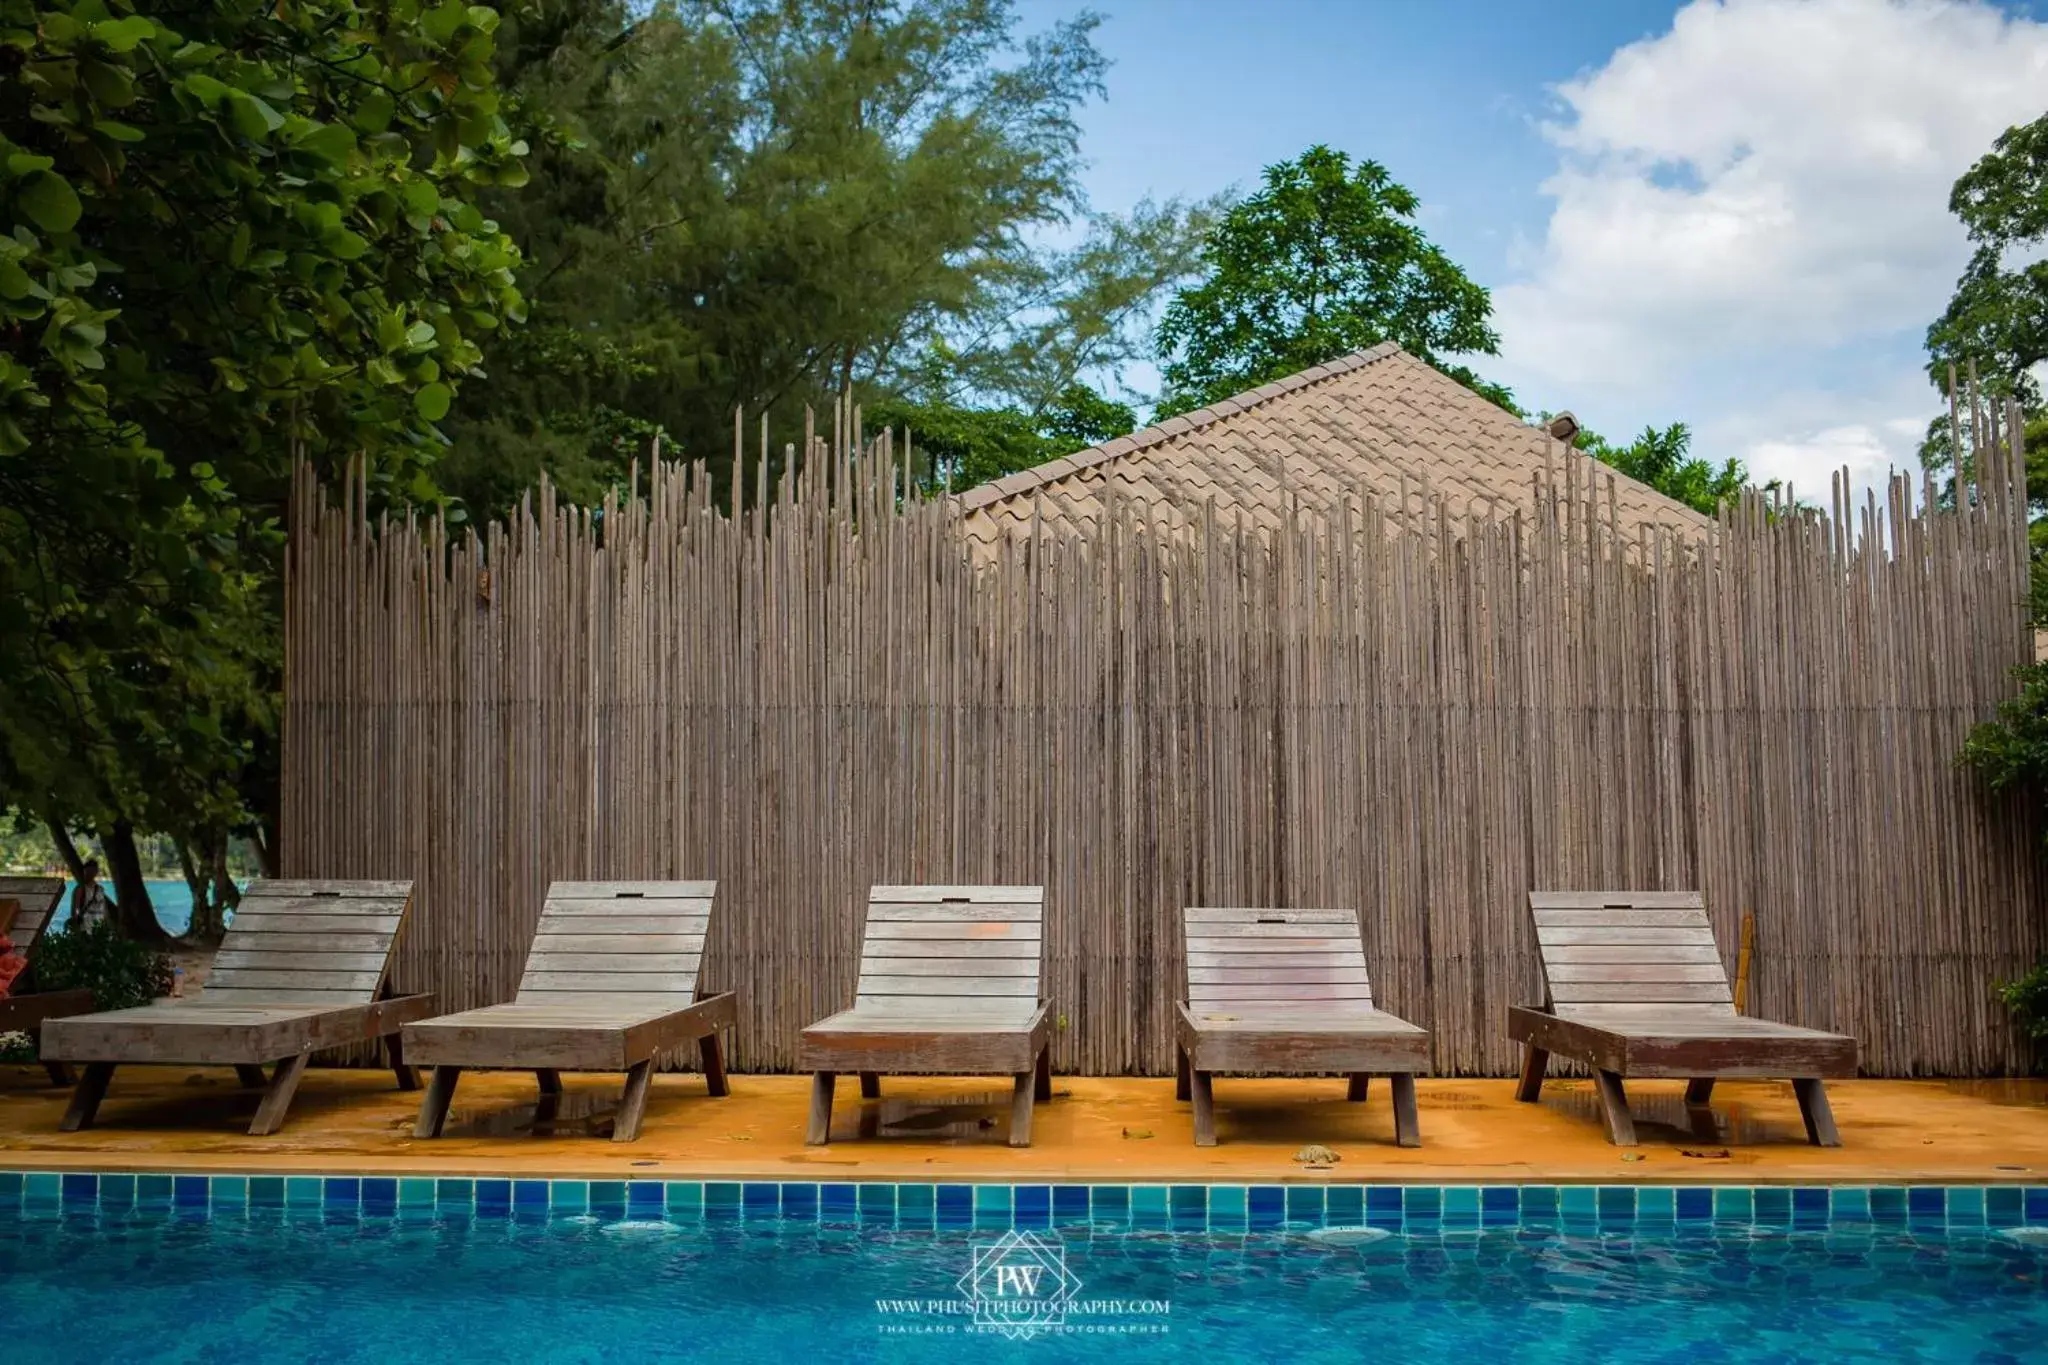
(118, 1191)
(1616, 1203)
(1069, 1202)
(1422, 1202)
(878, 1200)
(1460, 1206)
(646, 1199)
(42, 1188)
(607, 1194)
(1031, 1206)
(991, 1202)
(1499, 1205)
(153, 1190)
(1773, 1205)
(336, 1192)
(380, 1194)
(493, 1198)
(2036, 1204)
(1265, 1206)
(1539, 1202)
(1888, 1204)
(1305, 1203)
(1732, 1205)
(418, 1192)
(81, 1189)
(1849, 1204)
(1966, 1206)
(1656, 1204)
(454, 1191)
(529, 1195)
(573, 1195)
(1695, 1204)
(1927, 1204)
(1111, 1203)
(1580, 1202)
(1383, 1205)
(191, 1191)
(2004, 1206)
(956, 1204)
(1343, 1205)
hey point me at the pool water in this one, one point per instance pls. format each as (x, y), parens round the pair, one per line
(286, 1284)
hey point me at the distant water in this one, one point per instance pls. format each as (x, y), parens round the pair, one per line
(172, 901)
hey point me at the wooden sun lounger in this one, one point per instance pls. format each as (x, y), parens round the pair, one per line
(1636, 988)
(27, 905)
(611, 981)
(949, 986)
(1286, 992)
(305, 966)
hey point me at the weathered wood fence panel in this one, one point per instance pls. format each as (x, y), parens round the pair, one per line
(825, 690)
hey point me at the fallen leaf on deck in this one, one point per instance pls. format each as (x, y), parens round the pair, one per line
(1712, 1153)
(1139, 1133)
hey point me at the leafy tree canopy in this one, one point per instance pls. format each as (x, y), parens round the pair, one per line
(1323, 260)
(1998, 317)
(1664, 460)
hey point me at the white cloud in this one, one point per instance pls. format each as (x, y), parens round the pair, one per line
(1758, 200)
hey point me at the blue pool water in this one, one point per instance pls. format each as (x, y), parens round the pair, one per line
(314, 1284)
(171, 900)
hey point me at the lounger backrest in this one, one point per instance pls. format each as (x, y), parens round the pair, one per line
(624, 942)
(945, 948)
(1241, 958)
(35, 901)
(1630, 948)
(308, 942)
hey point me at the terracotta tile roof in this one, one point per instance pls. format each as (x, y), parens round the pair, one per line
(1366, 423)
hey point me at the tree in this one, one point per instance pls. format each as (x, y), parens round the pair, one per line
(1324, 260)
(1664, 460)
(1998, 318)
(760, 205)
(953, 448)
(230, 235)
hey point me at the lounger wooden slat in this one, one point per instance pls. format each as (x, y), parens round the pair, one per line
(949, 985)
(282, 988)
(27, 906)
(1286, 992)
(1635, 986)
(611, 982)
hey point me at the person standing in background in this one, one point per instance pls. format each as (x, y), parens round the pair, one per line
(89, 901)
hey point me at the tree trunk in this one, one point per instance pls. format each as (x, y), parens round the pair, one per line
(207, 925)
(132, 911)
(66, 849)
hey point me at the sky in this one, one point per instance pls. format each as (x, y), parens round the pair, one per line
(1731, 213)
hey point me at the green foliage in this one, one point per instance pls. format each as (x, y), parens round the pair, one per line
(1999, 314)
(229, 233)
(1664, 460)
(120, 973)
(758, 204)
(2027, 998)
(957, 447)
(1324, 260)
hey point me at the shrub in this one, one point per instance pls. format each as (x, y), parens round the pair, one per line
(119, 972)
(16, 1047)
(2027, 998)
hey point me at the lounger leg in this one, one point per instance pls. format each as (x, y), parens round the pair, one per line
(1698, 1091)
(871, 1085)
(1361, 1083)
(1021, 1095)
(408, 1077)
(1535, 1061)
(1041, 1079)
(434, 1104)
(1813, 1107)
(284, 1083)
(60, 1073)
(712, 1054)
(1407, 1131)
(633, 1103)
(85, 1100)
(251, 1076)
(1180, 1073)
(820, 1130)
(1621, 1129)
(1203, 1091)
(550, 1081)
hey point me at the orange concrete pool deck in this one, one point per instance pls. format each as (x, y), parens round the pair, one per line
(1094, 1129)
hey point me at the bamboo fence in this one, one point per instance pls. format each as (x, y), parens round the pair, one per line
(820, 688)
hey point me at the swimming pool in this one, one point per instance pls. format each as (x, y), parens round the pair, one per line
(125, 1268)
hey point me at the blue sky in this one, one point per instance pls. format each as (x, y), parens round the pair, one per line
(1730, 213)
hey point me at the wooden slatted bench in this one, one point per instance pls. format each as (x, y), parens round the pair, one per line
(611, 982)
(305, 966)
(1286, 992)
(1636, 987)
(27, 905)
(949, 986)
